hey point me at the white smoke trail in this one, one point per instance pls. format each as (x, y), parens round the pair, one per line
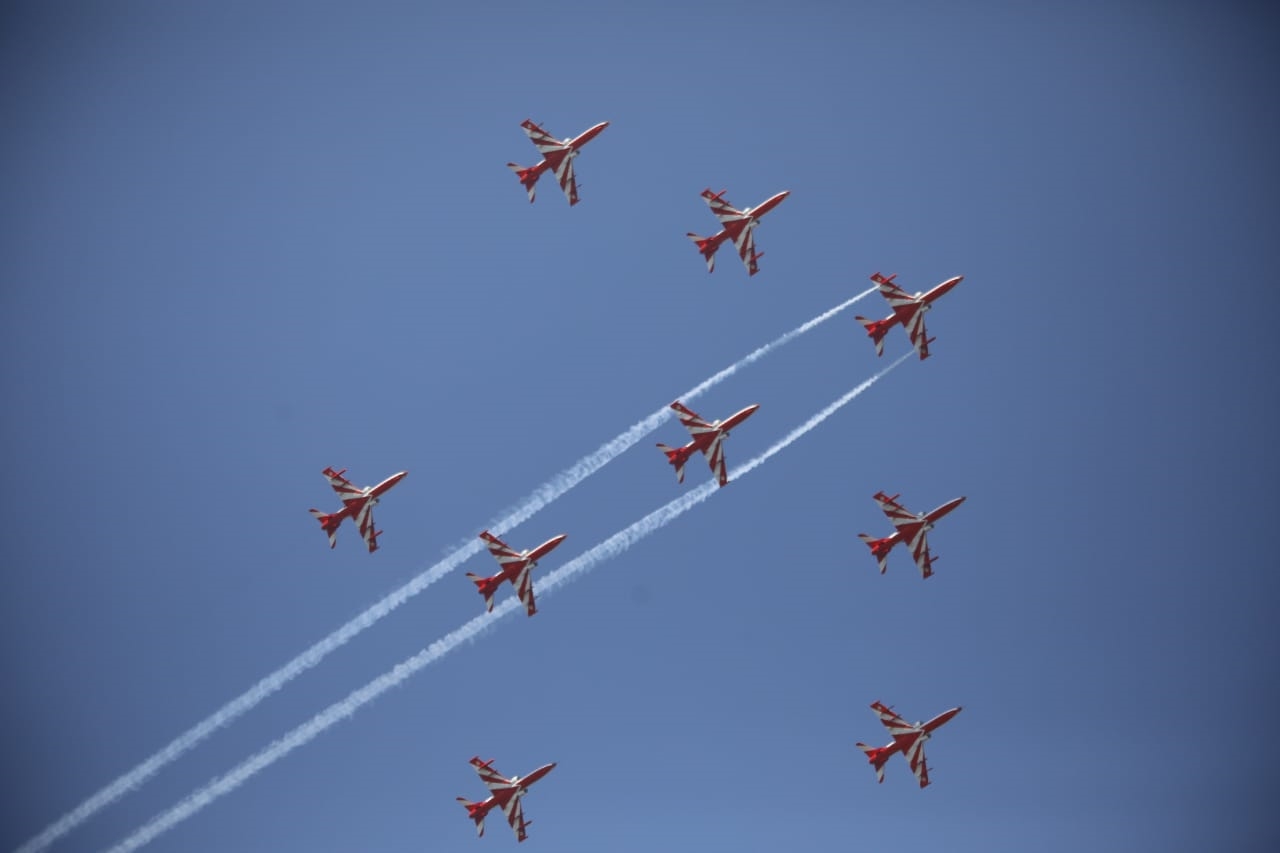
(540, 498)
(609, 548)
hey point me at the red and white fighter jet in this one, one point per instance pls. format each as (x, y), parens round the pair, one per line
(357, 503)
(707, 437)
(505, 794)
(907, 738)
(516, 566)
(911, 528)
(738, 226)
(907, 310)
(557, 155)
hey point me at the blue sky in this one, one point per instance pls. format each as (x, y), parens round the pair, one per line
(242, 242)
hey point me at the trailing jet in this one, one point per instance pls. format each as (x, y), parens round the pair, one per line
(557, 155)
(515, 568)
(505, 794)
(911, 528)
(907, 310)
(738, 226)
(907, 738)
(707, 437)
(357, 503)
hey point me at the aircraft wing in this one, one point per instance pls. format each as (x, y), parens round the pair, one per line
(515, 816)
(492, 779)
(563, 166)
(722, 210)
(501, 551)
(715, 458)
(692, 421)
(920, 553)
(746, 243)
(915, 757)
(914, 324)
(543, 141)
(364, 520)
(897, 514)
(909, 739)
(345, 489)
(524, 588)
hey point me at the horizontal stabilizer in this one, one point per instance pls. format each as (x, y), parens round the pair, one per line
(477, 812)
(707, 247)
(876, 756)
(676, 456)
(528, 176)
(877, 329)
(880, 549)
(487, 587)
(329, 523)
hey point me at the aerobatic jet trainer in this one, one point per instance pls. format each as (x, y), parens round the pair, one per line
(911, 528)
(707, 437)
(505, 794)
(557, 156)
(357, 503)
(907, 310)
(907, 738)
(516, 566)
(738, 226)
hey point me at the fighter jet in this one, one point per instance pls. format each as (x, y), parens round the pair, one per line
(739, 226)
(911, 528)
(516, 566)
(707, 437)
(505, 794)
(357, 503)
(908, 739)
(557, 156)
(907, 310)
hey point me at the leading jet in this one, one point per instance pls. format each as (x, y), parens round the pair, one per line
(908, 738)
(557, 157)
(911, 528)
(707, 437)
(505, 794)
(357, 503)
(908, 310)
(516, 566)
(738, 226)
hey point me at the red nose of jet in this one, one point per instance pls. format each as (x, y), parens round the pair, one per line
(591, 133)
(948, 284)
(539, 773)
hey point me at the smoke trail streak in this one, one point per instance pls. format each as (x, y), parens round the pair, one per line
(539, 499)
(609, 548)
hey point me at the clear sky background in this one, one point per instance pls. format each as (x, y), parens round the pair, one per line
(240, 242)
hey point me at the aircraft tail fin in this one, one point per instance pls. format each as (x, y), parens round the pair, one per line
(876, 756)
(880, 549)
(707, 248)
(876, 330)
(528, 176)
(487, 587)
(330, 525)
(477, 812)
(677, 456)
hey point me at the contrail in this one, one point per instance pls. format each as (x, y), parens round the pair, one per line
(540, 498)
(609, 548)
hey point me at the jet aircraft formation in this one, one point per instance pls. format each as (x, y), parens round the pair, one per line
(707, 438)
